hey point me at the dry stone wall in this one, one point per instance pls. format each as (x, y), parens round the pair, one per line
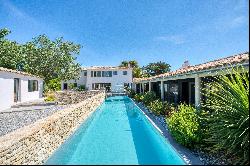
(33, 144)
(73, 97)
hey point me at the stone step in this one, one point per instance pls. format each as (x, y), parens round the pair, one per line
(34, 104)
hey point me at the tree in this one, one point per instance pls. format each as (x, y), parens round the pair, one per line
(10, 51)
(52, 59)
(131, 63)
(4, 32)
(41, 56)
(137, 72)
(124, 64)
(156, 68)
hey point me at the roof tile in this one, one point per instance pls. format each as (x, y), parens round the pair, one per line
(239, 58)
(18, 72)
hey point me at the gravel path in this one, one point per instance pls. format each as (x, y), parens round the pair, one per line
(10, 121)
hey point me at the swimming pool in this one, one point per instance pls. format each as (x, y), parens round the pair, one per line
(116, 133)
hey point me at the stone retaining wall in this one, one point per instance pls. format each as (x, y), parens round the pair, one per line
(33, 144)
(73, 97)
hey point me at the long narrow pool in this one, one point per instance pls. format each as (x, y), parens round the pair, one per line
(116, 133)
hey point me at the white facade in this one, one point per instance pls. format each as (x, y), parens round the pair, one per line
(7, 92)
(97, 77)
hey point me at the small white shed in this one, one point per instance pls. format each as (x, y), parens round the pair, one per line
(17, 87)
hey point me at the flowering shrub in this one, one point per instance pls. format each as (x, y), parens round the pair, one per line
(138, 97)
(156, 107)
(148, 97)
(184, 125)
(168, 108)
(50, 96)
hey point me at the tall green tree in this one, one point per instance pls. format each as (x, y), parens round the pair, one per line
(10, 51)
(156, 68)
(137, 72)
(52, 59)
(124, 64)
(41, 56)
(131, 63)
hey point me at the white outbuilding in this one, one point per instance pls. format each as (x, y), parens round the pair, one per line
(17, 87)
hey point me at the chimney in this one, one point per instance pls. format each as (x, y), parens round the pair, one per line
(185, 64)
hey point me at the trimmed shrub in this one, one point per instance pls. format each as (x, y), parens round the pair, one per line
(184, 125)
(157, 107)
(168, 108)
(50, 96)
(73, 86)
(138, 97)
(81, 88)
(227, 106)
(148, 97)
(131, 93)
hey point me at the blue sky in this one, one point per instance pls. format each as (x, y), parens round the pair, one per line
(145, 30)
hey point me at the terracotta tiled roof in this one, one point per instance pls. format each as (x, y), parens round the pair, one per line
(236, 59)
(18, 72)
(104, 68)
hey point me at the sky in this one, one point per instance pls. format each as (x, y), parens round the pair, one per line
(111, 31)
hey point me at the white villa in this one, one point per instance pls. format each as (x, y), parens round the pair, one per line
(17, 87)
(113, 79)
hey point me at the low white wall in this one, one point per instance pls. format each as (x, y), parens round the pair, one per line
(7, 89)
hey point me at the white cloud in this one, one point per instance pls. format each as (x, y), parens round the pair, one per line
(175, 39)
(13, 10)
(231, 23)
(238, 21)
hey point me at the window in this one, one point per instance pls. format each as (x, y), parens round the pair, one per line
(85, 74)
(96, 73)
(106, 73)
(75, 84)
(65, 86)
(32, 85)
(125, 72)
(104, 86)
(114, 72)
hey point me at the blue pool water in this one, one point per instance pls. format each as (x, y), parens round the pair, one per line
(116, 133)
